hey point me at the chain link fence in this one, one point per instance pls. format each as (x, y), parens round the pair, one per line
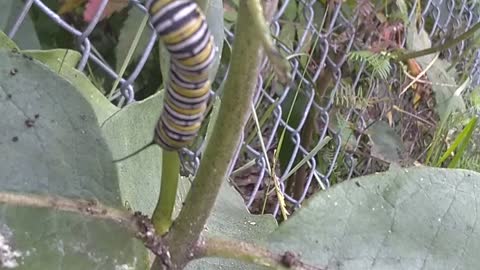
(327, 34)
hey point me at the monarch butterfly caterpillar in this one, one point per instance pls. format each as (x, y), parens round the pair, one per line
(183, 29)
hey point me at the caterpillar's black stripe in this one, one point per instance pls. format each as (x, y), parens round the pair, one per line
(185, 103)
(174, 15)
(182, 120)
(179, 134)
(183, 29)
(191, 45)
(195, 69)
(183, 82)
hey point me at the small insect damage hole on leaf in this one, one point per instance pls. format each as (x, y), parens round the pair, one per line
(29, 123)
(15, 139)
(289, 259)
(9, 96)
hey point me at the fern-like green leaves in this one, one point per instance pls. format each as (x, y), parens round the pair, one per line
(377, 63)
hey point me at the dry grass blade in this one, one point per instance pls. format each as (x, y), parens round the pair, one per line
(271, 169)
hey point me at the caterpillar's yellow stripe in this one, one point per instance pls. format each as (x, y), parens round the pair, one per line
(182, 27)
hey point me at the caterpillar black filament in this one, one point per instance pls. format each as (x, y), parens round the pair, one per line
(183, 29)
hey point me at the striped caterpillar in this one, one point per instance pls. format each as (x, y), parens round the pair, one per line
(183, 29)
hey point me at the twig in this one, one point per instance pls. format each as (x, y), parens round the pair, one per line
(427, 82)
(414, 116)
(447, 45)
(247, 252)
(136, 223)
(91, 208)
(419, 75)
(278, 191)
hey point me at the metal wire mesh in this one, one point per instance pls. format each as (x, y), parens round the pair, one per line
(449, 17)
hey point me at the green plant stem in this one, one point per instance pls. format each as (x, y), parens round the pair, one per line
(447, 45)
(216, 247)
(233, 115)
(162, 216)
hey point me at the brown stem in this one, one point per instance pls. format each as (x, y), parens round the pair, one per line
(136, 223)
(91, 208)
(247, 252)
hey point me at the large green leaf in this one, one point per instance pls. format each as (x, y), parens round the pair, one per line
(416, 218)
(6, 42)
(127, 132)
(56, 59)
(51, 144)
(63, 62)
(230, 217)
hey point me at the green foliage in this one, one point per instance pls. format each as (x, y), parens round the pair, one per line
(63, 63)
(377, 63)
(52, 145)
(475, 99)
(449, 124)
(460, 144)
(126, 132)
(415, 218)
(470, 162)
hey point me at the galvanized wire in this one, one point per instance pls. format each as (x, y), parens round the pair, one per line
(449, 16)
